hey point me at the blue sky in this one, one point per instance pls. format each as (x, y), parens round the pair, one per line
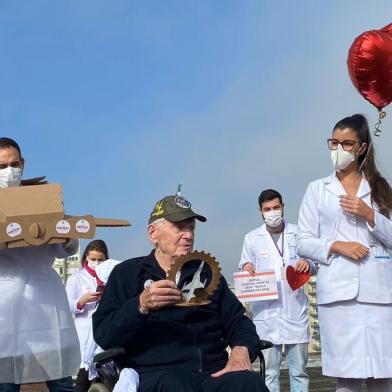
(119, 100)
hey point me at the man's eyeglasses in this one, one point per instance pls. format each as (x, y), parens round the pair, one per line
(348, 145)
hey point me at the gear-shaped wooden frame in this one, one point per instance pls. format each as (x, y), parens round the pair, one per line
(201, 297)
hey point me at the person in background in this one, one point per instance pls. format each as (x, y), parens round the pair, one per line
(84, 291)
(38, 340)
(283, 321)
(345, 224)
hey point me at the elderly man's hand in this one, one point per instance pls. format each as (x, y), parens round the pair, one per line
(239, 360)
(158, 294)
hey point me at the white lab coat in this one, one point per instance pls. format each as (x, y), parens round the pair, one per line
(129, 379)
(284, 320)
(78, 284)
(38, 340)
(354, 297)
(321, 222)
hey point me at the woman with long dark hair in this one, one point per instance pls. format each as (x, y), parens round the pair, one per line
(83, 290)
(345, 225)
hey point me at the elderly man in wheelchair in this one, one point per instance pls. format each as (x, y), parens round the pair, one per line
(175, 348)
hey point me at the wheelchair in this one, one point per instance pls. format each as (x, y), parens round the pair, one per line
(109, 371)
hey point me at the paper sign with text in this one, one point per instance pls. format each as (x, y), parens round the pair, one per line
(260, 286)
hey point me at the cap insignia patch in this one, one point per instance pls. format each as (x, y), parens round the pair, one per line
(158, 210)
(182, 202)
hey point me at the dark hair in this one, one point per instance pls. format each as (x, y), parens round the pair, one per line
(381, 192)
(97, 245)
(269, 194)
(6, 142)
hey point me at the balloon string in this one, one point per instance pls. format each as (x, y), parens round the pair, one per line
(359, 171)
(377, 130)
(366, 156)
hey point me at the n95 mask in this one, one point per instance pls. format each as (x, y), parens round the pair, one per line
(273, 218)
(92, 263)
(10, 176)
(341, 159)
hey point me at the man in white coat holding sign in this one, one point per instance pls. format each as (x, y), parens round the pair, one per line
(283, 321)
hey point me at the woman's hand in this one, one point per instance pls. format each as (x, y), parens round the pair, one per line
(352, 250)
(356, 206)
(249, 267)
(91, 296)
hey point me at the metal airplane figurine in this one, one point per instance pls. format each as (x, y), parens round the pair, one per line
(188, 291)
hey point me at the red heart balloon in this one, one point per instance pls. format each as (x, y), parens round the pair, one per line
(370, 66)
(296, 279)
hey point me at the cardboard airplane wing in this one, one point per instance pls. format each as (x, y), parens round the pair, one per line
(34, 181)
(34, 215)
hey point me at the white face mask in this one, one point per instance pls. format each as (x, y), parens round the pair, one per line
(273, 218)
(341, 159)
(10, 176)
(92, 263)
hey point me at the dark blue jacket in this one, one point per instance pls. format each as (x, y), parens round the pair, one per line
(195, 337)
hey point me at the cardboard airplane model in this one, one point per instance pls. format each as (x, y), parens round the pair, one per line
(34, 215)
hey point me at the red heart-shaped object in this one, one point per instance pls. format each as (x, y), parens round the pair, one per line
(296, 279)
(370, 66)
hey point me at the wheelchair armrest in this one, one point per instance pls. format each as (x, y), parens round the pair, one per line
(264, 344)
(108, 355)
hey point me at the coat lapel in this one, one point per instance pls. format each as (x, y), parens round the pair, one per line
(270, 243)
(364, 188)
(333, 185)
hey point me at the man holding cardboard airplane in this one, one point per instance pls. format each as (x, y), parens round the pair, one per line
(38, 340)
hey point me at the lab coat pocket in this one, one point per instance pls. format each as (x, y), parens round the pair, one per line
(375, 279)
(293, 256)
(264, 310)
(263, 261)
(379, 252)
(297, 304)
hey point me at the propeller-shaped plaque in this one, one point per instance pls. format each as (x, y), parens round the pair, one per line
(196, 291)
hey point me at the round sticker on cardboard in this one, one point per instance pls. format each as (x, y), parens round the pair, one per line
(63, 227)
(14, 229)
(82, 226)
